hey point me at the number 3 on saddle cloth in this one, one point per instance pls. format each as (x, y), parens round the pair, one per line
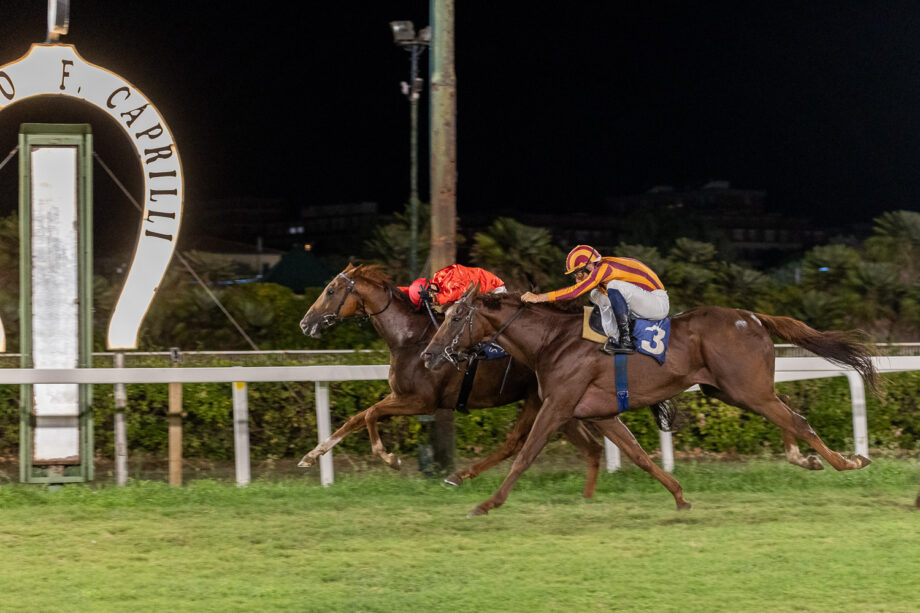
(651, 339)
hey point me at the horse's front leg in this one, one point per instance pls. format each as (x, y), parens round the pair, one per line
(355, 422)
(551, 416)
(393, 405)
(623, 438)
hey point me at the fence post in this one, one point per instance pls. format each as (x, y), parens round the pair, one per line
(860, 424)
(667, 451)
(121, 436)
(175, 426)
(241, 432)
(323, 431)
(611, 455)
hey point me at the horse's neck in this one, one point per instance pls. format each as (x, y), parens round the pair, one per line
(396, 322)
(523, 338)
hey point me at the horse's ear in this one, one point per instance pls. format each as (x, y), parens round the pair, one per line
(471, 291)
(350, 267)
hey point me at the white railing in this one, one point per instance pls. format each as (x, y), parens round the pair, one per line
(787, 369)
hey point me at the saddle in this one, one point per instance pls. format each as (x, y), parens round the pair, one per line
(651, 336)
(592, 329)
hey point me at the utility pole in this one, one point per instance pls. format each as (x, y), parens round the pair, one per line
(443, 168)
(404, 36)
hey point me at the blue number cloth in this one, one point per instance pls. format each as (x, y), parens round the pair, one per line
(652, 337)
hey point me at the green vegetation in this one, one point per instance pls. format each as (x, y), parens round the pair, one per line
(874, 286)
(283, 418)
(762, 536)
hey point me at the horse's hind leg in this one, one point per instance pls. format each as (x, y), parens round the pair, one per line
(579, 435)
(790, 444)
(392, 405)
(621, 436)
(768, 404)
(794, 454)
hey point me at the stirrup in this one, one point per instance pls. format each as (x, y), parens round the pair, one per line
(613, 348)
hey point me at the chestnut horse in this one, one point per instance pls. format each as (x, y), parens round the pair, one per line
(365, 291)
(728, 352)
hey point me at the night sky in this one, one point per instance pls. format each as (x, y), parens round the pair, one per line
(816, 103)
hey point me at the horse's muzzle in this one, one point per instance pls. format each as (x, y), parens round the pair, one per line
(434, 360)
(313, 326)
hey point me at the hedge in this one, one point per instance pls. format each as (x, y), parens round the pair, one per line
(283, 419)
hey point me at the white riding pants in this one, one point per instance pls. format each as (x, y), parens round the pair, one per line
(642, 304)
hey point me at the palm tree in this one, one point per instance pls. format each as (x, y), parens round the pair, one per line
(388, 246)
(896, 238)
(825, 268)
(523, 256)
(690, 273)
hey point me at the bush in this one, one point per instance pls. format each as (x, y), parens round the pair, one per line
(283, 419)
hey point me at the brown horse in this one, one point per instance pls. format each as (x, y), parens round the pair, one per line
(365, 291)
(728, 352)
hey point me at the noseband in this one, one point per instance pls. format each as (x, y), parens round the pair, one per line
(332, 318)
(450, 353)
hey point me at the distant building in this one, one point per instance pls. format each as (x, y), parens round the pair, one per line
(753, 233)
(251, 259)
(242, 220)
(334, 227)
(274, 224)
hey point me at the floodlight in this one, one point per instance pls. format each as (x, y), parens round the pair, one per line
(403, 32)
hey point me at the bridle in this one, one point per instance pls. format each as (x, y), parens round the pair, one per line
(330, 319)
(455, 357)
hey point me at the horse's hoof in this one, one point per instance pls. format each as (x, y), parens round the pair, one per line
(306, 462)
(454, 480)
(684, 506)
(813, 463)
(393, 462)
(862, 461)
(476, 512)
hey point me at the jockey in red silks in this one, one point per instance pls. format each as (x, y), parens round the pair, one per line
(631, 287)
(448, 284)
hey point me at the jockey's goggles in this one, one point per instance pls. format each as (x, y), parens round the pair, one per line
(583, 269)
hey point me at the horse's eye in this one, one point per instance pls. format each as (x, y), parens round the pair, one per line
(330, 291)
(455, 318)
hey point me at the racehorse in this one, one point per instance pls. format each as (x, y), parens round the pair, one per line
(366, 292)
(728, 352)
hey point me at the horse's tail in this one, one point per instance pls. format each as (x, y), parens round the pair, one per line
(850, 349)
(667, 416)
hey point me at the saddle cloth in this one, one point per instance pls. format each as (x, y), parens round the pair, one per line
(651, 336)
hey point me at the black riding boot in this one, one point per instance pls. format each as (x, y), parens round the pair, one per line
(625, 346)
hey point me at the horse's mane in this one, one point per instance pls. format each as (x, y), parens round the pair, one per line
(373, 273)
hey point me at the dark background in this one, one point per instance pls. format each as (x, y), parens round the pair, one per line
(559, 107)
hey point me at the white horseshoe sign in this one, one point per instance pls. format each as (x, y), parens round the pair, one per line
(58, 70)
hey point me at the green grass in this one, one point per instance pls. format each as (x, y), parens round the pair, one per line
(762, 536)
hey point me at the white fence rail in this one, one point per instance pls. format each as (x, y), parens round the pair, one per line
(787, 369)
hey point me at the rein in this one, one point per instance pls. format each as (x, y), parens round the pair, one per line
(333, 318)
(453, 355)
